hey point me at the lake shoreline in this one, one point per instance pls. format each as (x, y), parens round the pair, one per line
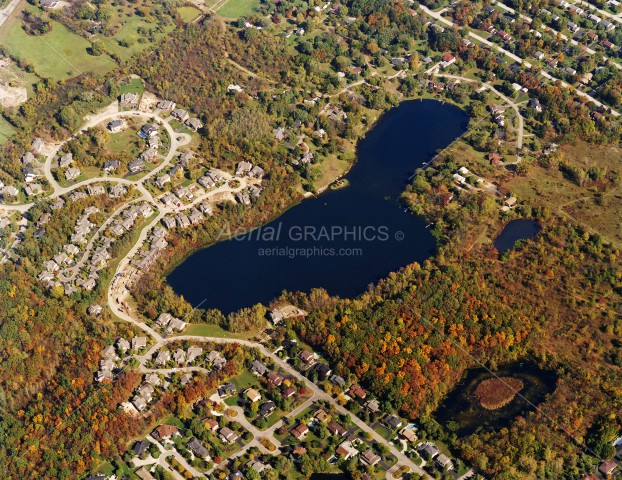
(407, 136)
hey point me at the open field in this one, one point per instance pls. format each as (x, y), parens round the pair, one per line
(127, 41)
(136, 85)
(6, 130)
(188, 14)
(206, 330)
(595, 206)
(237, 8)
(58, 55)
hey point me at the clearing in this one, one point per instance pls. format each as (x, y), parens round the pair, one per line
(237, 8)
(59, 55)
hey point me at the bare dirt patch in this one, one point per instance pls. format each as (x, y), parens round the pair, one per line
(495, 393)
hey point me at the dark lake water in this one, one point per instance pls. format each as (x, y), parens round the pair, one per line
(365, 216)
(514, 231)
(462, 408)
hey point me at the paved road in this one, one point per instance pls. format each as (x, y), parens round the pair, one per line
(6, 12)
(438, 16)
(317, 391)
(176, 455)
(561, 35)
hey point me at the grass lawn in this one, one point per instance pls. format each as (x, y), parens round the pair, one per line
(127, 140)
(6, 130)
(188, 14)
(59, 55)
(237, 8)
(136, 85)
(245, 380)
(207, 330)
(330, 170)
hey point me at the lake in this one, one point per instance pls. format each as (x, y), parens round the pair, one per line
(462, 412)
(341, 240)
(514, 231)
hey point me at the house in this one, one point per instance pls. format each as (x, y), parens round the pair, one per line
(165, 105)
(198, 449)
(259, 368)
(27, 158)
(37, 145)
(93, 190)
(243, 168)
(288, 392)
(149, 130)
(33, 189)
(275, 379)
(258, 466)
(357, 392)
(72, 173)
(336, 429)
(586, 78)
(267, 408)
(10, 191)
(323, 371)
(193, 353)
(179, 356)
(169, 222)
(252, 394)
(279, 133)
(448, 60)
(116, 125)
(511, 202)
(227, 435)
(535, 104)
(504, 35)
(140, 447)
(444, 462)
(392, 421)
(163, 357)
(370, 458)
(136, 166)
(194, 124)
(211, 424)
(148, 155)
(164, 432)
(607, 467)
(144, 474)
(409, 434)
(180, 115)
(307, 357)
(347, 450)
(185, 159)
(256, 172)
(320, 415)
(539, 55)
(48, 3)
(226, 390)
(129, 98)
(606, 44)
(373, 405)
(337, 380)
(65, 160)
(300, 431)
(123, 345)
(495, 159)
(111, 166)
(430, 450)
(162, 180)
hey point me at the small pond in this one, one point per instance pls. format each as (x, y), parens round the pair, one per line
(516, 230)
(462, 410)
